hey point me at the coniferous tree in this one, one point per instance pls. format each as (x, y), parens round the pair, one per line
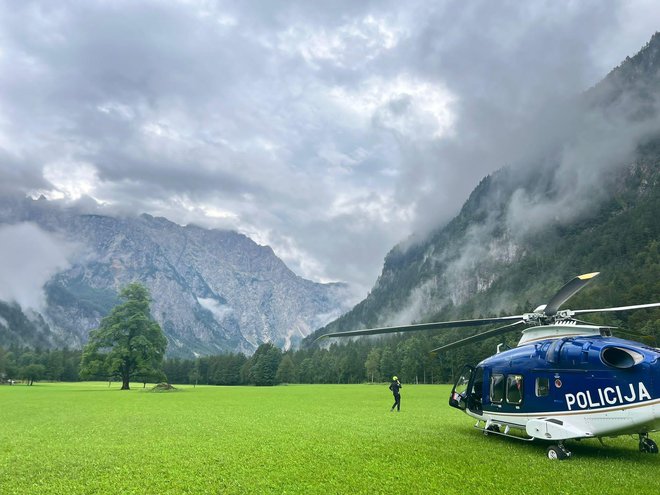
(264, 364)
(286, 371)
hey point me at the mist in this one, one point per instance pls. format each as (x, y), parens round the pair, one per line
(590, 142)
(29, 257)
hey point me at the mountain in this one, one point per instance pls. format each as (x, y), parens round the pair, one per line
(589, 202)
(213, 291)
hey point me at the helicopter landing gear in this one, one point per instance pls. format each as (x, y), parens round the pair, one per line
(646, 445)
(492, 428)
(558, 452)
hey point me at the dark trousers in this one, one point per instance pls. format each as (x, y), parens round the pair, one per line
(397, 402)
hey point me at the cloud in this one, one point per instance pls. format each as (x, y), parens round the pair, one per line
(218, 310)
(615, 119)
(331, 130)
(29, 257)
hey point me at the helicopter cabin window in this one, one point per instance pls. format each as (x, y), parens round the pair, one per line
(514, 390)
(496, 388)
(542, 387)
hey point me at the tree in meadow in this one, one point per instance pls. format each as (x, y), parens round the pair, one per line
(128, 342)
(33, 372)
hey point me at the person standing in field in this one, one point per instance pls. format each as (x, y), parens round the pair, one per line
(395, 386)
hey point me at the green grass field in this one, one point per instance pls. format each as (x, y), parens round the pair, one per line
(88, 438)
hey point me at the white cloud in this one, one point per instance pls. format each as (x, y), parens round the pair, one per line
(350, 44)
(29, 257)
(369, 207)
(412, 107)
(71, 180)
(120, 110)
(219, 311)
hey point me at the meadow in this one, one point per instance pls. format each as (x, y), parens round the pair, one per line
(88, 438)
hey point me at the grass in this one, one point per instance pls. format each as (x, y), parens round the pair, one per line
(88, 438)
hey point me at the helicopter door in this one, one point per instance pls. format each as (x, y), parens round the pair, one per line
(458, 397)
(476, 390)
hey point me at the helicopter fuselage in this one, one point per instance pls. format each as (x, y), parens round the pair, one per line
(563, 388)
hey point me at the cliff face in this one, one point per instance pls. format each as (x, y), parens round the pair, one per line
(213, 291)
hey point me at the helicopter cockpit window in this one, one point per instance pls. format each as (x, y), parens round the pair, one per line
(542, 387)
(478, 382)
(461, 384)
(496, 388)
(514, 390)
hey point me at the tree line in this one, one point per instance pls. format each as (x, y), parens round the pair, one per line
(362, 361)
(351, 362)
(29, 365)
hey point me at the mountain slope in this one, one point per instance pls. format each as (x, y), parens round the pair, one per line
(213, 291)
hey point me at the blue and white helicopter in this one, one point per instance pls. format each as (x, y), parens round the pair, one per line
(565, 380)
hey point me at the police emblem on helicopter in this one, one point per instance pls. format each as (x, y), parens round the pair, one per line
(565, 380)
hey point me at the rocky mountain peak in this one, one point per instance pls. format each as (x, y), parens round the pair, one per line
(213, 291)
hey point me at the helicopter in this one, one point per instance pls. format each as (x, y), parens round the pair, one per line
(565, 380)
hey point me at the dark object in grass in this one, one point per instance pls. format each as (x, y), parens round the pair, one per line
(163, 387)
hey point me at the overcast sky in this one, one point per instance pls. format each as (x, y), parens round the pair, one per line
(329, 130)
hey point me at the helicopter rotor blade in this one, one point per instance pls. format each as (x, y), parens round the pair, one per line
(613, 310)
(422, 326)
(480, 336)
(638, 336)
(568, 291)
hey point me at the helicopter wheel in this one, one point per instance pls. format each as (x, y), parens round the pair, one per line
(493, 428)
(647, 446)
(557, 453)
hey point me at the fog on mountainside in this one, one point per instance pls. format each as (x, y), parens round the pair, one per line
(587, 203)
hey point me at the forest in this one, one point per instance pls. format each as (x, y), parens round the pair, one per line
(368, 360)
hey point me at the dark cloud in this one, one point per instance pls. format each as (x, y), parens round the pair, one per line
(329, 130)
